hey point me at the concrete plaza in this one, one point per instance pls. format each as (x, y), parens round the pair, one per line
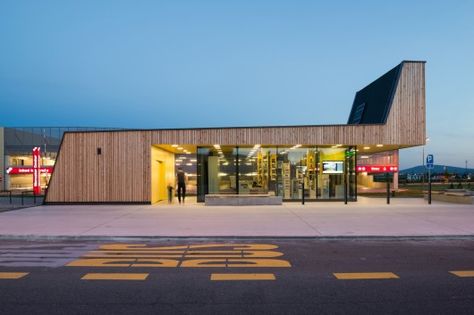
(368, 217)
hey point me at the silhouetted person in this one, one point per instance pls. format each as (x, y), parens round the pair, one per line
(181, 185)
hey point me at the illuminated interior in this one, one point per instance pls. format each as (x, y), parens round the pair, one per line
(262, 169)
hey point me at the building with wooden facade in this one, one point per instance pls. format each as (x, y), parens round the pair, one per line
(137, 166)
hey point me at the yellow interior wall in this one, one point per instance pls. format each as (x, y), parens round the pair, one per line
(332, 154)
(161, 176)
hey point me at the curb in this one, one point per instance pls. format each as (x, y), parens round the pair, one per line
(200, 238)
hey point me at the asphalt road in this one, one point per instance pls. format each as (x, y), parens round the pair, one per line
(298, 277)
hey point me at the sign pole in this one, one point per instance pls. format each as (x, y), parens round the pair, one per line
(429, 166)
(302, 192)
(429, 186)
(345, 181)
(388, 187)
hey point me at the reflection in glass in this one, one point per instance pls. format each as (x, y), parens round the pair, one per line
(257, 170)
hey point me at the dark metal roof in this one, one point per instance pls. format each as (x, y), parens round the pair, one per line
(372, 103)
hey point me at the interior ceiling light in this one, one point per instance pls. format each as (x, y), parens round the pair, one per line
(174, 145)
(180, 148)
(217, 146)
(379, 145)
(364, 156)
(366, 148)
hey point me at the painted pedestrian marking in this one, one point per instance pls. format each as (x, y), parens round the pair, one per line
(183, 256)
(12, 275)
(463, 273)
(364, 275)
(41, 254)
(242, 276)
(116, 276)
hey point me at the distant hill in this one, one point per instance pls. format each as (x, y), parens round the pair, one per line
(437, 169)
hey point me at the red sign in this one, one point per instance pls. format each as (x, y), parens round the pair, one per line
(36, 171)
(377, 168)
(28, 170)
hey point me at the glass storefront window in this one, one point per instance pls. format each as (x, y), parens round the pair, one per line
(297, 165)
(216, 170)
(281, 171)
(331, 174)
(257, 170)
(187, 162)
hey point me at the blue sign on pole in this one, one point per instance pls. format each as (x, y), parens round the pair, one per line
(430, 161)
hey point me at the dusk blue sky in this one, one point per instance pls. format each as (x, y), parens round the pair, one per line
(161, 64)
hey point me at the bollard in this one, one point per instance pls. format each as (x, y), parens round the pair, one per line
(302, 193)
(388, 187)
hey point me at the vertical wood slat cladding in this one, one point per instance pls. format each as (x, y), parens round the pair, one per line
(122, 172)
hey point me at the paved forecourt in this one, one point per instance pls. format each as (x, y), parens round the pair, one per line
(368, 217)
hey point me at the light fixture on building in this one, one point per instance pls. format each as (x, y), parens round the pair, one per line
(379, 145)
(174, 145)
(366, 148)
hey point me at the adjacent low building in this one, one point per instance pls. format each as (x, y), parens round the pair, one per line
(317, 162)
(16, 157)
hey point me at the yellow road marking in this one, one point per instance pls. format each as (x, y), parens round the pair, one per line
(463, 273)
(12, 275)
(93, 262)
(115, 276)
(241, 276)
(197, 255)
(365, 275)
(203, 263)
(278, 263)
(167, 263)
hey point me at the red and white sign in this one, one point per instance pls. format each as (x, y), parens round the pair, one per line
(28, 170)
(36, 171)
(377, 168)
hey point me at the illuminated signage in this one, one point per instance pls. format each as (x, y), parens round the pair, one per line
(377, 168)
(36, 171)
(333, 167)
(28, 170)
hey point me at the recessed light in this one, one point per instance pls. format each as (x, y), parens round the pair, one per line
(174, 145)
(379, 145)
(366, 148)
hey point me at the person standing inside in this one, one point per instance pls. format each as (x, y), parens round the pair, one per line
(181, 179)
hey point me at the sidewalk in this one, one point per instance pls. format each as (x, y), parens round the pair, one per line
(367, 218)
